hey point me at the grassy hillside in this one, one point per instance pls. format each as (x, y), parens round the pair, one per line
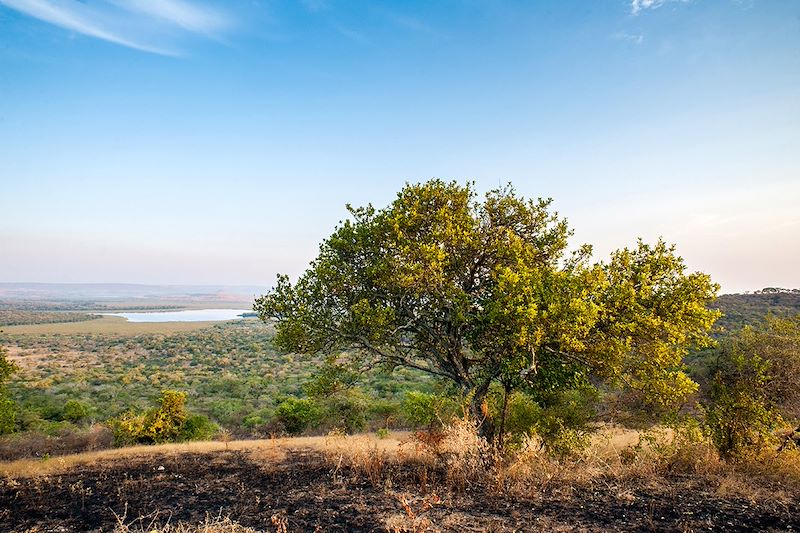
(742, 309)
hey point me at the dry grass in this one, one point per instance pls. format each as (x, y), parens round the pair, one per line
(210, 525)
(619, 460)
(267, 451)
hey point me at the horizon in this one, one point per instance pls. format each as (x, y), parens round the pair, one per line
(264, 288)
(217, 143)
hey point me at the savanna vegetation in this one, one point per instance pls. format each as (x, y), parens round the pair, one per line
(230, 373)
(13, 317)
(526, 369)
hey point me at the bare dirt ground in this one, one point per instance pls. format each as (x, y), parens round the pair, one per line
(300, 487)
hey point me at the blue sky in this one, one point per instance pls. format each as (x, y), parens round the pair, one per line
(177, 141)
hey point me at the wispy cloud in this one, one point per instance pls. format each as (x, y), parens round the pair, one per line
(184, 14)
(132, 23)
(640, 5)
(634, 38)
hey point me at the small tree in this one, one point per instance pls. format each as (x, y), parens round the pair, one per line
(486, 292)
(296, 414)
(8, 415)
(756, 385)
(169, 422)
(75, 411)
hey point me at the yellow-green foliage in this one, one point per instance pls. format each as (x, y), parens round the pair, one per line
(168, 423)
(485, 291)
(756, 386)
(75, 411)
(8, 415)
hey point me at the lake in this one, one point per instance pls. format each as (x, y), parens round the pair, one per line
(188, 315)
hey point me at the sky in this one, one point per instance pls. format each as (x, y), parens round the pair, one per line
(189, 142)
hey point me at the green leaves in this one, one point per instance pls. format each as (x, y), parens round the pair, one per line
(755, 385)
(480, 292)
(8, 413)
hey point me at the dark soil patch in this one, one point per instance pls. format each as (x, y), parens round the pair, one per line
(311, 495)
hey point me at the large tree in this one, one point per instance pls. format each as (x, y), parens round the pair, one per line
(482, 292)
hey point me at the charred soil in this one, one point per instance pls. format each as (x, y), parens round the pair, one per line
(306, 491)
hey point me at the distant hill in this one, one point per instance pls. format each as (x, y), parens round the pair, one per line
(741, 309)
(118, 291)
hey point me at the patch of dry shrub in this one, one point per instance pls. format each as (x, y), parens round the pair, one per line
(465, 455)
(211, 524)
(620, 461)
(34, 444)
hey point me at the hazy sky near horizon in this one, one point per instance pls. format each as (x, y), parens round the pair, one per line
(178, 141)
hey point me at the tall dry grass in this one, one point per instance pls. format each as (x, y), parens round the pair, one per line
(618, 459)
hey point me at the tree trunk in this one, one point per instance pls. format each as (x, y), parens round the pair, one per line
(502, 432)
(480, 411)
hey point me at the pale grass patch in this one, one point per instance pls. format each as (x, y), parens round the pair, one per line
(211, 524)
(266, 451)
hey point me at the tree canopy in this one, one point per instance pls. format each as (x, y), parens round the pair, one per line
(486, 291)
(756, 384)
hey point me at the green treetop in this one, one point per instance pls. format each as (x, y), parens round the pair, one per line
(482, 292)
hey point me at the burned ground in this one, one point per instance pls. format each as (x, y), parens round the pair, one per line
(306, 491)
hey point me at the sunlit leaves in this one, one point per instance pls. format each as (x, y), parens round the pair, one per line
(487, 291)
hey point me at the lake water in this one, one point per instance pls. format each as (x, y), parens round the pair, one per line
(189, 315)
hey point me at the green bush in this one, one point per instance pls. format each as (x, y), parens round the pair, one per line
(8, 416)
(228, 411)
(560, 419)
(297, 414)
(564, 421)
(739, 415)
(75, 411)
(8, 409)
(345, 410)
(198, 427)
(421, 409)
(258, 418)
(384, 413)
(522, 415)
(756, 386)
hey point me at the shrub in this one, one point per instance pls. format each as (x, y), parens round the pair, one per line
(258, 419)
(560, 419)
(198, 427)
(739, 415)
(384, 413)
(170, 422)
(75, 411)
(296, 414)
(754, 384)
(346, 411)
(8, 416)
(8, 409)
(421, 409)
